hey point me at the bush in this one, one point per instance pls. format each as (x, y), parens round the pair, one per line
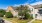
(9, 15)
(1, 15)
(31, 16)
(27, 15)
(2, 12)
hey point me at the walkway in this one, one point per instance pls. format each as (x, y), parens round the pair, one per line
(32, 20)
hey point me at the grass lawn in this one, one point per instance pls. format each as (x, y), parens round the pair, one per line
(37, 21)
(16, 20)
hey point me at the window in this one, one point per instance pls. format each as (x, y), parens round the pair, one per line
(40, 14)
(32, 9)
(36, 14)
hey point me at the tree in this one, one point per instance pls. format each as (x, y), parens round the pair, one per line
(8, 15)
(41, 7)
(23, 11)
(2, 12)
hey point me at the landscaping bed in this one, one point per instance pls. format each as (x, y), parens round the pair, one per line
(16, 20)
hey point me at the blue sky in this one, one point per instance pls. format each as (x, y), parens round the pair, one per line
(5, 3)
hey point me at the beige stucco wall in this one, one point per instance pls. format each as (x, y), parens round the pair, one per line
(9, 8)
(35, 11)
(15, 13)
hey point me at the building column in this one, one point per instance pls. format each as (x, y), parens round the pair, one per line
(33, 15)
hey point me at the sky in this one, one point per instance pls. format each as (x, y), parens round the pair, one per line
(5, 3)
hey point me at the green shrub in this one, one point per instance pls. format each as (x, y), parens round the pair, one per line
(1, 15)
(27, 15)
(31, 16)
(9, 15)
(2, 12)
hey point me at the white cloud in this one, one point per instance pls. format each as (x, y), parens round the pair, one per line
(16, 5)
(3, 8)
(21, 4)
(40, 2)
